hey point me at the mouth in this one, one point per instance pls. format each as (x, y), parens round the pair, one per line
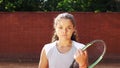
(64, 35)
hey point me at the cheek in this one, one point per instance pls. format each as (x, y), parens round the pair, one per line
(57, 31)
(71, 33)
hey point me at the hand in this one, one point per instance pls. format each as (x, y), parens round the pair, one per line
(81, 58)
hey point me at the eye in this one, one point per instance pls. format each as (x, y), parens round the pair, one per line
(60, 27)
(69, 28)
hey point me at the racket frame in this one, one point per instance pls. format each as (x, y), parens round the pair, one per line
(101, 57)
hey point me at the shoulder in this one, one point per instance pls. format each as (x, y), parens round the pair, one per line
(78, 45)
(49, 46)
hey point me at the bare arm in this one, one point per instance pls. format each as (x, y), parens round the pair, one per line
(43, 63)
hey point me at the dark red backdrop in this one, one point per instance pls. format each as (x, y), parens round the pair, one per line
(23, 34)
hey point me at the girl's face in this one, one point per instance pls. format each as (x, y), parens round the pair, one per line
(64, 29)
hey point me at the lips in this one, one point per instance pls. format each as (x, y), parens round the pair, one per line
(63, 35)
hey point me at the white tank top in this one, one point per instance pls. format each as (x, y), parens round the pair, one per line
(59, 60)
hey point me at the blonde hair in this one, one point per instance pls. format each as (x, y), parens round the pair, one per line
(65, 16)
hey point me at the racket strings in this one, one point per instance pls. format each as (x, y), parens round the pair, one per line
(95, 51)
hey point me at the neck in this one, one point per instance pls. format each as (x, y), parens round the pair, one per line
(64, 43)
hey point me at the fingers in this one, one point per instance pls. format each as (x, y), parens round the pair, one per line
(79, 52)
(82, 52)
(81, 57)
(85, 52)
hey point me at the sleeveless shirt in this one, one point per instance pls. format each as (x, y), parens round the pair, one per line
(61, 60)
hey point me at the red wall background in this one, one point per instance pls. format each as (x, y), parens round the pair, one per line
(23, 34)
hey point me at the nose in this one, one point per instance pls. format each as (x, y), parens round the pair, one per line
(64, 30)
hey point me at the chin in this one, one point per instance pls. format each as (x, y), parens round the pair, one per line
(65, 39)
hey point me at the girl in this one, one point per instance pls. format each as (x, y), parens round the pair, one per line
(64, 47)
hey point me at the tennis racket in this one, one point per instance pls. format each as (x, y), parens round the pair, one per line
(95, 50)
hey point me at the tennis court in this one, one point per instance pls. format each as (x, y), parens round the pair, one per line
(35, 65)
